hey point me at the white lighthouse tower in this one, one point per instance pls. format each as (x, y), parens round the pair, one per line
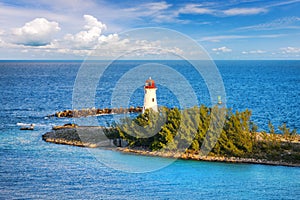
(150, 95)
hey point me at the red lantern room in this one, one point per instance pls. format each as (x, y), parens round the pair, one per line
(150, 84)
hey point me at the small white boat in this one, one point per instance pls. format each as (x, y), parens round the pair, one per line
(30, 128)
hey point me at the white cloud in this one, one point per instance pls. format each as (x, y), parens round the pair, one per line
(38, 32)
(88, 37)
(157, 6)
(72, 5)
(219, 38)
(282, 3)
(149, 8)
(155, 11)
(92, 22)
(291, 50)
(254, 52)
(244, 11)
(281, 23)
(201, 9)
(1, 42)
(37, 36)
(222, 49)
(257, 51)
(195, 9)
(67, 13)
(162, 11)
(91, 41)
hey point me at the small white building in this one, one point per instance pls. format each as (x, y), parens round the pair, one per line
(150, 96)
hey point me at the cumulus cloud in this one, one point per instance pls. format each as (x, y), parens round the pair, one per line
(88, 37)
(38, 32)
(222, 49)
(92, 41)
(244, 11)
(91, 36)
(37, 37)
(290, 50)
(92, 23)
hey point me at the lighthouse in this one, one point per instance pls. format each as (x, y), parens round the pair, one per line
(150, 95)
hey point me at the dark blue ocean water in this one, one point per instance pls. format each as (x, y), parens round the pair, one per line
(33, 169)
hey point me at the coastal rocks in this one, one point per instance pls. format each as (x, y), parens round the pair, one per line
(65, 126)
(193, 156)
(82, 136)
(95, 111)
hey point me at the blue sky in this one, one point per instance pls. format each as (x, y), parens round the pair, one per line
(69, 29)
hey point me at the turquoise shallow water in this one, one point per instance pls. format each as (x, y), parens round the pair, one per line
(33, 169)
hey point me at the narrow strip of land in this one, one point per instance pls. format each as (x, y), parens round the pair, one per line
(94, 137)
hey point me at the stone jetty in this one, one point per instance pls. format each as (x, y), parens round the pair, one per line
(95, 111)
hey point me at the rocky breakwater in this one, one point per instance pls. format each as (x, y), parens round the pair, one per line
(94, 112)
(83, 136)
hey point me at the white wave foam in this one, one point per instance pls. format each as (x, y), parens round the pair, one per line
(26, 124)
(23, 124)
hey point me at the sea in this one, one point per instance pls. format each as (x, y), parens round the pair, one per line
(30, 91)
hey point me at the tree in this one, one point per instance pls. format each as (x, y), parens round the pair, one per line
(216, 130)
(285, 131)
(271, 128)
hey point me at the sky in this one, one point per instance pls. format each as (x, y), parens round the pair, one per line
(71, 29)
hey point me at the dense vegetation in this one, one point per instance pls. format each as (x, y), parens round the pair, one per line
(202, 130)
